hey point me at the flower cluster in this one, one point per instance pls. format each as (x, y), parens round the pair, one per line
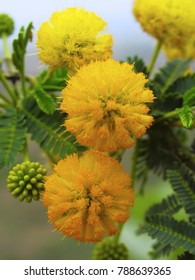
(72, 38)
(108, 249)
(171, 22)
(105, 102)
(88, 196)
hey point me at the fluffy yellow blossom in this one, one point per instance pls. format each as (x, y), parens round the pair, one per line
(170, 21)
(88, 196)
(73, 38)
(105, 102)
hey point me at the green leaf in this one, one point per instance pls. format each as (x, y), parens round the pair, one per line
(48, 130)
(169, 205)
(139, 64)
(54, 81)
(170, 73)
(45, 102)
(189, 97)
(160, 249)
(12, 136)
(19, 46)
(167, 230)
(183, 183)
(183, 84)
(186, 116)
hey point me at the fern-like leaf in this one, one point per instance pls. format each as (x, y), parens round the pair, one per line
(183, 84)
(19, 46)
(45, 101)
(138, 63)
(160, 249)
(48, 130)
(183, 183)
(56, 81)
(12, 136)
(186, 116)
(167, 230)
(189, 97)
(170, 73)
(168, 206)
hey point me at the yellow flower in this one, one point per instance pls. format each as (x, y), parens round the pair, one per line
(72, 37)
(88, 196)
(170, 21)
(105, 105)
(185, 51)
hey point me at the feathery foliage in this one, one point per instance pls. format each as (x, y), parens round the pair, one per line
(48, 130)
(12, 136)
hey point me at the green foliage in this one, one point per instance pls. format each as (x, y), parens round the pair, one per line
(48, 130)
(183, 84)
(189, 97)
(183, 183)
(19, 46)
(54, 81)
(160, 222)
(168, 230)
(168, 206)
(139, 64)
(186, 116)
(45, 101)
(12, 136)
(169, 74)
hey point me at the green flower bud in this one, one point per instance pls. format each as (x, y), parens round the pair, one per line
(107, 249)
(26, 181)
(6, 25)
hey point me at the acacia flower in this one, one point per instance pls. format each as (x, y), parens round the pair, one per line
(105, 102)
(171, 22)
(88, 196)
(73, 38)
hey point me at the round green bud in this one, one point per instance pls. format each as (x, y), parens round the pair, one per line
(26, 178)
(25, 193)
(29, 187)
(33, 181)
(107, 249)
(26, 181)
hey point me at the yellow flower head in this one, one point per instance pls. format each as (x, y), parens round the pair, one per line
(105, 102)
(72, 38)
(88, 196)
(170, 21)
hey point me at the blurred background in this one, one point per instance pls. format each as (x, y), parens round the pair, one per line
(24, 229)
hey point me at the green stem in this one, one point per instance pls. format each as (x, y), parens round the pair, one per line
(26, 155)
(154, 57)
(118, 235)
(5, 98)
(23, 82)
(7, 55)
(170, 115)
(7, 87)
(2, 105)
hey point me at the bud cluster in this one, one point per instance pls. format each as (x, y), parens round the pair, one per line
(26, 180)
(110, 250)
(6, 25)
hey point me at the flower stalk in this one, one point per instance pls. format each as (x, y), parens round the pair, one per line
(154, 58)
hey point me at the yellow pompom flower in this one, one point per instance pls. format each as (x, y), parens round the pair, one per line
(88, 196)
(73, 37)
(171, 22)
(105, 102)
